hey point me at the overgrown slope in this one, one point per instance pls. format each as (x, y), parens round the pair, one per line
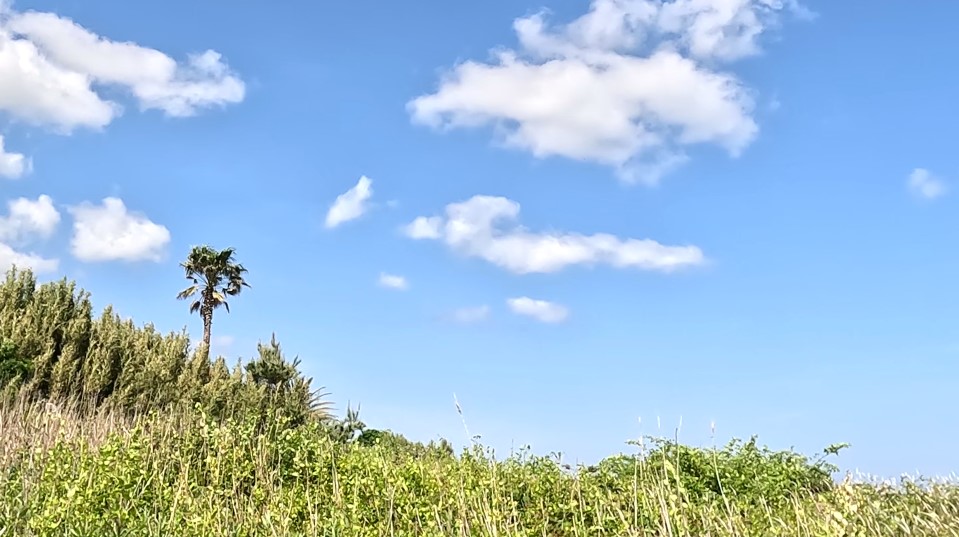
(107, 428)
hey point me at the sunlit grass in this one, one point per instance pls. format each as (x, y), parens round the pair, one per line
(66, 472)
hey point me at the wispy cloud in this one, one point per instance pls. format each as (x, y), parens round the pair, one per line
(922, 183)
(470, 315)
(351, 204)
(393, 281)
(480, 227)
(541, 310)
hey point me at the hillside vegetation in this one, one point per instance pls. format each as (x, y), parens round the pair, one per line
(109, 428)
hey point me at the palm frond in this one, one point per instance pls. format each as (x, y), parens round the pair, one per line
(188, 292)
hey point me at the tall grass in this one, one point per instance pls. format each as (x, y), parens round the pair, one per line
(67, 470)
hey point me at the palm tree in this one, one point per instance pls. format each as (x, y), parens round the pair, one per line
(215, 275)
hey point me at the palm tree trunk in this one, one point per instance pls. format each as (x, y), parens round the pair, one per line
(206, 312)
(207, 328)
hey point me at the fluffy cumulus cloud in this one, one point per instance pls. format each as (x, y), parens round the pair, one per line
(12, 165)
(629, 84)
(393, 281)
(541, 310)
(351, 204)
(29, 219)
(109, 232)
(924, 184)
(26, 221)
(485, 227)
(54, 72)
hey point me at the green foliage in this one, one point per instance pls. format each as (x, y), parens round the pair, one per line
(52, 347)
(191, 474)
(346, 430)
(13, 368)
(401, 446)
(740, 469)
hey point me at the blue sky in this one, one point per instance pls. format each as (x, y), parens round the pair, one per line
(581, 218)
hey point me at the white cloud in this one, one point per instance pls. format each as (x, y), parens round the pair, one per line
(28, 219)
(12, 165)
(721, 29)
(10, 257)
(54, 70)
(541, 310)
(392, 281)
(474, 228)
(628, 84)
(351, 204)
(424, 228)
(110, 232)
(470, 314)
(924, 184)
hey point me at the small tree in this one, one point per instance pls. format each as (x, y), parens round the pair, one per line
(284, 384)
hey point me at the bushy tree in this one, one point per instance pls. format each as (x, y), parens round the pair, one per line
(283, 385)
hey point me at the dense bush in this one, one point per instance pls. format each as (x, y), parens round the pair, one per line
(740, 469)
